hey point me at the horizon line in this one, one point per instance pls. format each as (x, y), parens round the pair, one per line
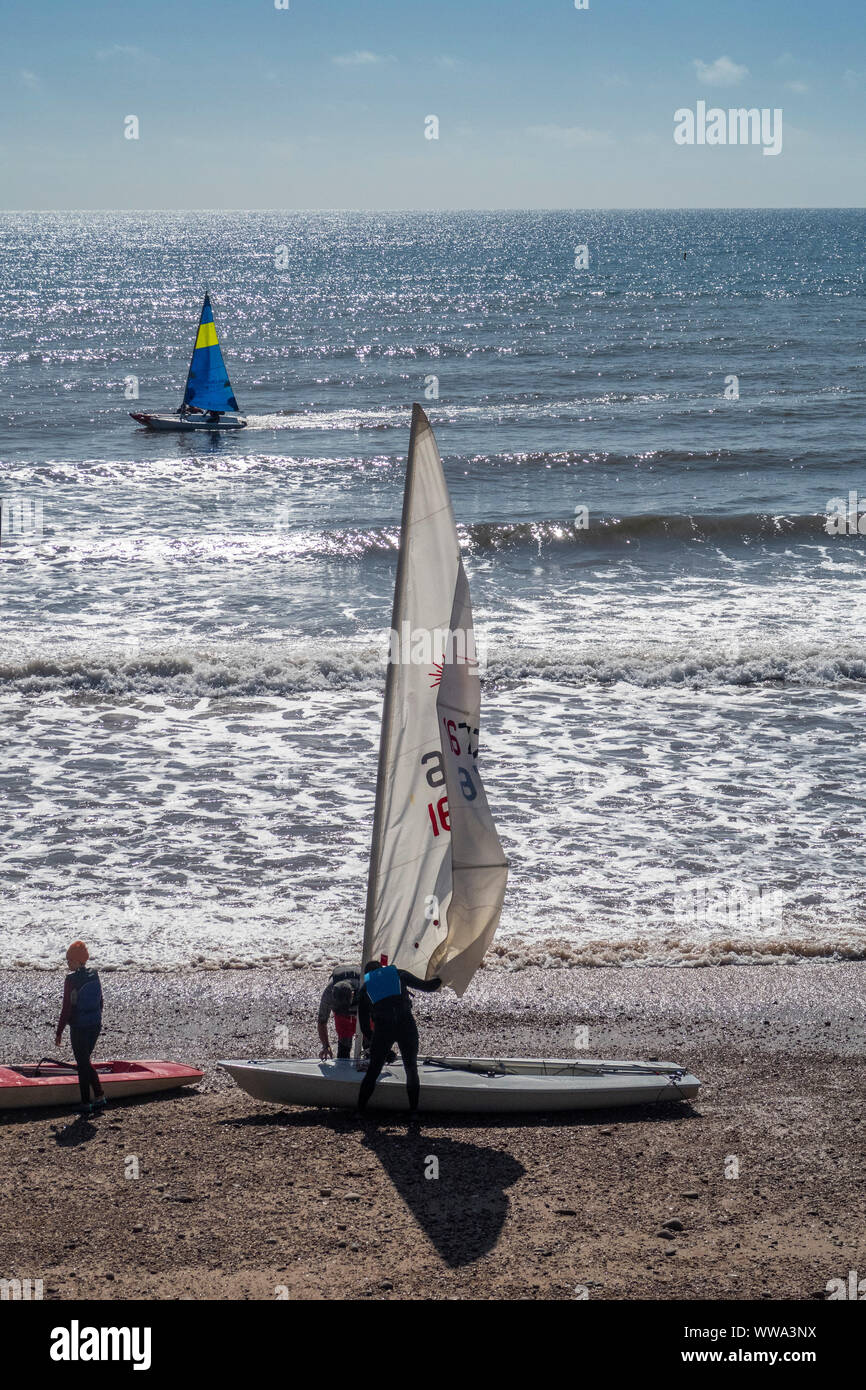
(646, 207)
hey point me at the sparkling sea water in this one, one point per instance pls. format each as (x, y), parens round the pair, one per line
(641, 456)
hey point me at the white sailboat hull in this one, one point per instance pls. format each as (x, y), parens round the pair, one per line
(508, 1085)
(183, 424)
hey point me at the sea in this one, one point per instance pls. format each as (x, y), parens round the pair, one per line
(652, 425)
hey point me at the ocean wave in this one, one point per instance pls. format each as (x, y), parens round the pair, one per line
(589, 533)
(248, 670)
(524, 953)
(651, 527)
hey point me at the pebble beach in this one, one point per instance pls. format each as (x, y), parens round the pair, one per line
(751, 1191)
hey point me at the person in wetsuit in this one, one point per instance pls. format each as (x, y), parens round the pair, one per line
(385, 1015)
(82, 1010)
(339, 999)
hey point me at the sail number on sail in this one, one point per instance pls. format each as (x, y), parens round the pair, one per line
(435, 774)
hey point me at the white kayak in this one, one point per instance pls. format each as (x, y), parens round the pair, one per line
(188, 422)
(478, 1085)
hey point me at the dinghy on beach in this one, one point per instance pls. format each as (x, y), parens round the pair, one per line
(437, 870)
(208, 396)
(490, 1085)
(53, 1082)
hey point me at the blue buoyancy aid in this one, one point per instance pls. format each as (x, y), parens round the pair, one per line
(383, 983)
(86, 996)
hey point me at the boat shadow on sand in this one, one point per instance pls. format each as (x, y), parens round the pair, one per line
(460, 1201)
(456, 1191)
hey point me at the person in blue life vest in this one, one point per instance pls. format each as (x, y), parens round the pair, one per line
(82, 1010)
(385, 1015)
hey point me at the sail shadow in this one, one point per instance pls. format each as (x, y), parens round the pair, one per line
(456, 1191)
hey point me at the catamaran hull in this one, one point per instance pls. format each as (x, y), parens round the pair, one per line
(174, 422)
(499, 1086)
(24, 1087)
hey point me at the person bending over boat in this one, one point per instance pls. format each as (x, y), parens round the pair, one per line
(82, 1010)
(339, 998)
(385, 1012)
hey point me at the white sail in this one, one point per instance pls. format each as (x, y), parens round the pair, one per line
(437, 871)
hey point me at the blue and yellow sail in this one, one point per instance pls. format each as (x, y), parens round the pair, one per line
(208, 386)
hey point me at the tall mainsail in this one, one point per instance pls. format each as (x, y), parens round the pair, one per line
(437, 870)
(208, 385)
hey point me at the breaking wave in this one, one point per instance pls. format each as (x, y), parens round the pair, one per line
(593, 533)
(510, 953)
(246, 670)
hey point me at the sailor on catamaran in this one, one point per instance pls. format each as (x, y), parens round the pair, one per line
(339, 998)
(385, 1012)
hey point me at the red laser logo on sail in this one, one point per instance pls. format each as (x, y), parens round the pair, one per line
(438, 666)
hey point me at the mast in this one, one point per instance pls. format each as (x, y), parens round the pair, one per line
(192, 356)
(388, 706)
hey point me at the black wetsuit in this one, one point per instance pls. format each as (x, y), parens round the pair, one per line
(394, 1023)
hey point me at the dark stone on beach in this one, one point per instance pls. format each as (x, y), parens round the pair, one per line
(673, 1225)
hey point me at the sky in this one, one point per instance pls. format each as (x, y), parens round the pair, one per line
(324, 104)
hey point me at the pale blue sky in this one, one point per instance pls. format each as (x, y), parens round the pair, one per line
(322, 105)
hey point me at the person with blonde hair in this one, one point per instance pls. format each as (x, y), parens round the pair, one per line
(82, 1010)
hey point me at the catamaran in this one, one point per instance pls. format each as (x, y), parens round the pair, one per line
(437, 873)
(208, 395)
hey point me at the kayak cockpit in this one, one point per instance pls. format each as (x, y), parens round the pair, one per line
(49, 1067)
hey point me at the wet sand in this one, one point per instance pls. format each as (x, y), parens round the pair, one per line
(236, 1199)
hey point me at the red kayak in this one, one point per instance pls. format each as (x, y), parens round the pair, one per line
(50, 1082)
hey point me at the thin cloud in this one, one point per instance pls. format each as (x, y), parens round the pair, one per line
(29, 79)
(445, 62)
(570, 137)
(798, 87)
(722, 73)
(851, 78)
(126, 53)
(362, 58)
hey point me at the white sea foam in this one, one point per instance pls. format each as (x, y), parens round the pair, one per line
(190, 668)
(212, 831)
